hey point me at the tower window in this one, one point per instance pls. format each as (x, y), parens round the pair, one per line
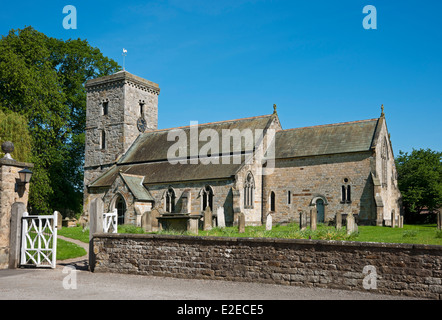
(105, 108)
(103, 140)
(141, 108)
(289, 197)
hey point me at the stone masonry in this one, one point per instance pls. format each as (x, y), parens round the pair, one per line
(10, 193)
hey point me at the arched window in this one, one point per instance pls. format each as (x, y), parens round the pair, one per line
(346, 192)
(249, 191)
(206, 198)
(120, 205)
(169, 200)
(272, 201)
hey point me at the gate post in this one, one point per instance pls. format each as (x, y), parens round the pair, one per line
(95, 225)
(17, 210)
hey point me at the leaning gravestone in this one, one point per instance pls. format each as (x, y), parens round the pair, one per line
(220, 217)
(351, 224)
(241, 222)
(207, 218)
(269, 222)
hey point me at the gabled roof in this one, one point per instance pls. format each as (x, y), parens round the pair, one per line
(326, 139)
(135, 185)
(154, 145)
(148, 158)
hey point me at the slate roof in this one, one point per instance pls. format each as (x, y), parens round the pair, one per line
(135, 184)
(147, 157)
(326, 139)
(153, 146)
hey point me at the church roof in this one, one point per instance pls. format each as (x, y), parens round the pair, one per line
(147, 157)
(154, 145)
(326, 139)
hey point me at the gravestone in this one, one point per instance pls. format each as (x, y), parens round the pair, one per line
(351, 224)
(154, 215)
(146, 221)
(338, 221)
(269, 221)
(59, 220)
(220, 217)
(393, 219)
(241, 222)
(439, 220)
(207, 219)
(313, 219)
(302, 220)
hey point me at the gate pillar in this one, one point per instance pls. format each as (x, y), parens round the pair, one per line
(11, 192)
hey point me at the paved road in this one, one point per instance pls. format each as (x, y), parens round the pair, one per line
(55, 284)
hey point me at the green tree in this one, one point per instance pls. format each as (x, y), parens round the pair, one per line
(420, 179)
(42, 79)
(14, 127)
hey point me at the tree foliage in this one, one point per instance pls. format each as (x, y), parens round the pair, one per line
(14, 127)
(420, 179)
(42, 79)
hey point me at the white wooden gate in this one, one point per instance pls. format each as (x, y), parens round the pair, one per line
(39, 241)
(110, 221)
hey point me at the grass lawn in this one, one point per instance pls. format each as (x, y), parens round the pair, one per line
(68, 250)
(417, 234)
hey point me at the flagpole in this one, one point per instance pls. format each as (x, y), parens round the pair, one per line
(124, 56)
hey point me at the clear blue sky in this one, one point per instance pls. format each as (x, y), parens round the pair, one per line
(225, 59)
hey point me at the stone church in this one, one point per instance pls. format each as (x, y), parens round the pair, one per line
(343, 167)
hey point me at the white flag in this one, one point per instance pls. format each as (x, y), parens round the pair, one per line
(124, 50)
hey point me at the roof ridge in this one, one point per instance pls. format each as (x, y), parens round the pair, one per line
(331, 124)
(210, 123)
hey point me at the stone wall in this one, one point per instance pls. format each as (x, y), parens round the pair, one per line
(8, 196)
(399, 269)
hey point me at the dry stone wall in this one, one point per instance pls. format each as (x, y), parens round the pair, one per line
(396, 269)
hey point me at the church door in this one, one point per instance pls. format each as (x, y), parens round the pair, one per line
(320, 210)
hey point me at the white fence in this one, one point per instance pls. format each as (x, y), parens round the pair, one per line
(110, 222)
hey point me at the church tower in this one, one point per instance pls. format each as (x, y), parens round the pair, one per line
(119, 107)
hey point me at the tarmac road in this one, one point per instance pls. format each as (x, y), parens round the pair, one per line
(72, 284)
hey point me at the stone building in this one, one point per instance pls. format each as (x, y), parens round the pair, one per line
(248, 165)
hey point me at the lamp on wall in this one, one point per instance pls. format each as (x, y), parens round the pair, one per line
(25, 175)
